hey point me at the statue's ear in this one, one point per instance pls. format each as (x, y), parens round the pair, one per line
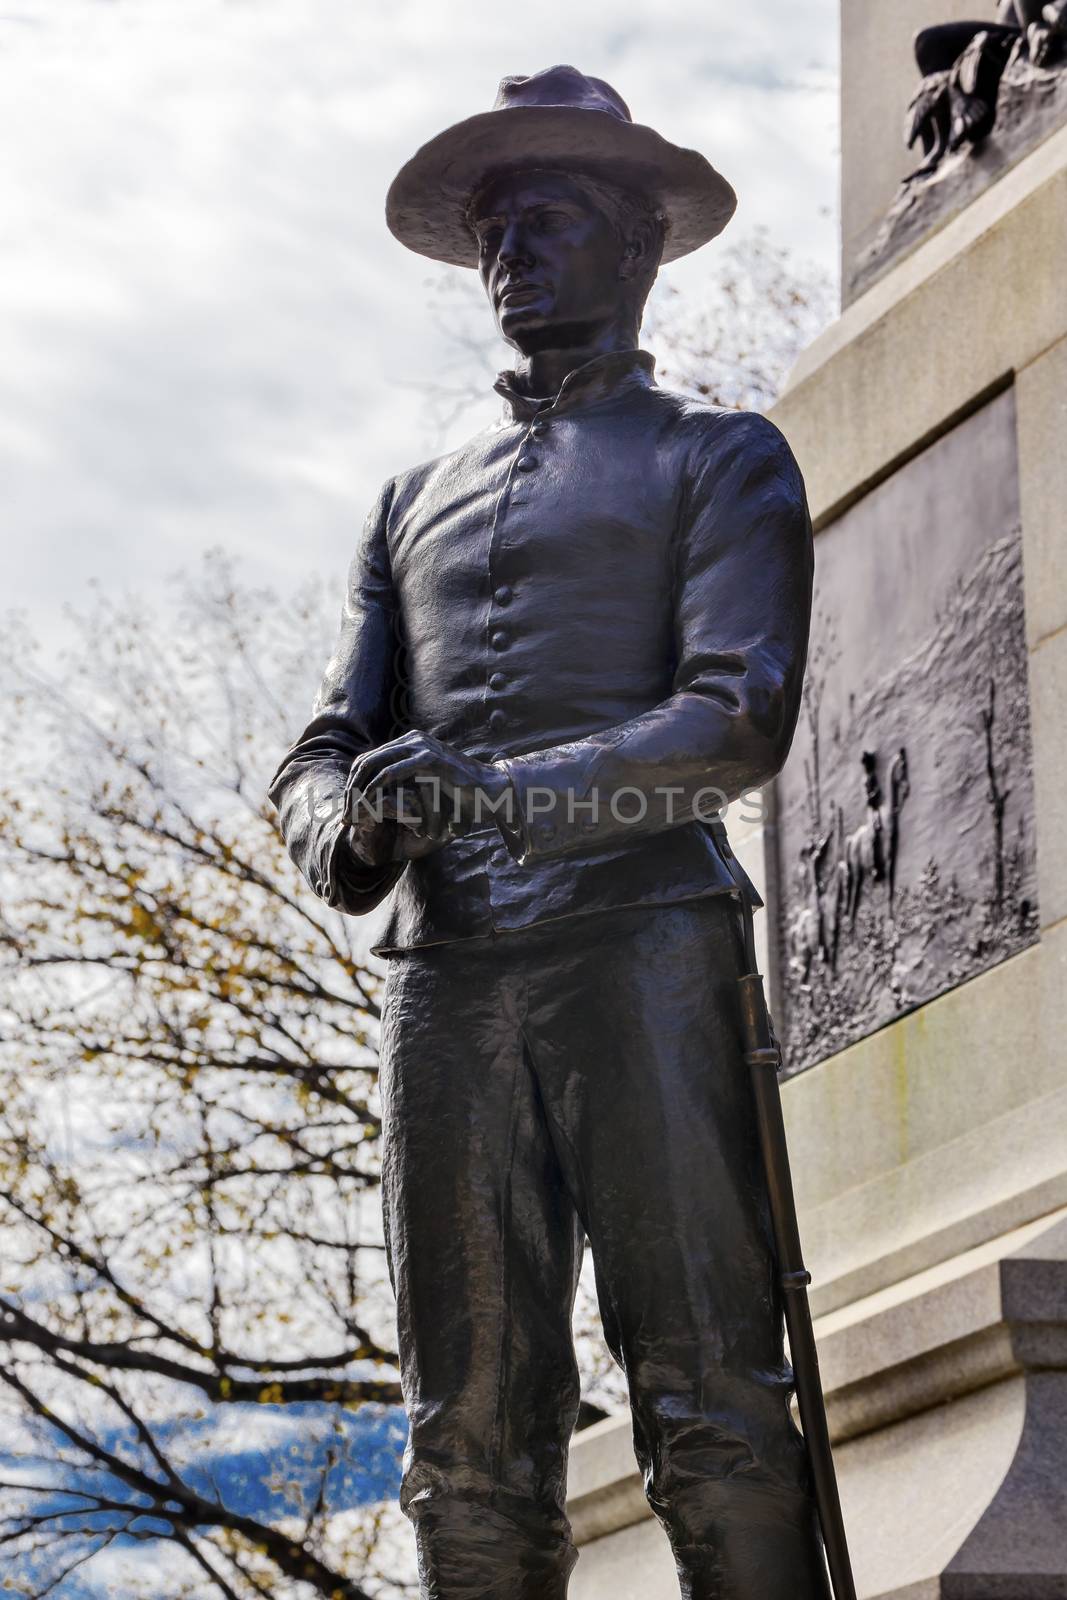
(637, 249)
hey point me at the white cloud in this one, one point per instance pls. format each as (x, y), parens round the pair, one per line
(208, 332)
(266, 1431)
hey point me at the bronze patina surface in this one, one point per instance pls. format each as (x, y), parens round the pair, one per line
(565, 646)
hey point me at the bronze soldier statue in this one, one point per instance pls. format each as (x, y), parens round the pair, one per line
(564, 646)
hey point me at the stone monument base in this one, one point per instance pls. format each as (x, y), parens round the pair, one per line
(947, 1400)
(1031, 104)
(930, 1157)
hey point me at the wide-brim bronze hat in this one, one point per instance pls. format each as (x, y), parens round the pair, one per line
(557, 119)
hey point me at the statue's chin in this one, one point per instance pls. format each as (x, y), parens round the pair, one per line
(525, 315)
(548, 332)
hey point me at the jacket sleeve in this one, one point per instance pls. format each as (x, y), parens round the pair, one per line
(742, 605)
(356, 709)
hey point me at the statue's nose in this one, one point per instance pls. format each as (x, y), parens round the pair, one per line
(514, 250)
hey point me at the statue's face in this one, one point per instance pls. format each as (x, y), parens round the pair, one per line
(549, 258)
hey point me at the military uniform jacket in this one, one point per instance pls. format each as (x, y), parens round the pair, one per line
(608, 593)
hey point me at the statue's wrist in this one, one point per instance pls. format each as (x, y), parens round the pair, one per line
(372, 841)
(495, 782)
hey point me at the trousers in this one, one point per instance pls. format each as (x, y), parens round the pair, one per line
(584, 1079)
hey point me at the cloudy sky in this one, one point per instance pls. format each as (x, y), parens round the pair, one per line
(209, 337)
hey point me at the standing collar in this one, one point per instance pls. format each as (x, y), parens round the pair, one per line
(595, 380)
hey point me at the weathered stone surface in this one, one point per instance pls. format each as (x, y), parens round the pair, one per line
(747, 822)
(917, 1149)
(605, 1491)
(878, 77)
(634, 1563)
(1032, 103)
(984, 1316)
(948, 1403)
(1048, 688)
(1041, 407)
(948, 326)
(939, 1131)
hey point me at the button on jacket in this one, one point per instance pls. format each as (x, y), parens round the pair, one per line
(608, 594)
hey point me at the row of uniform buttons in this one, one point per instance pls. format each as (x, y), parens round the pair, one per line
(527, 462)
(500, 638)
